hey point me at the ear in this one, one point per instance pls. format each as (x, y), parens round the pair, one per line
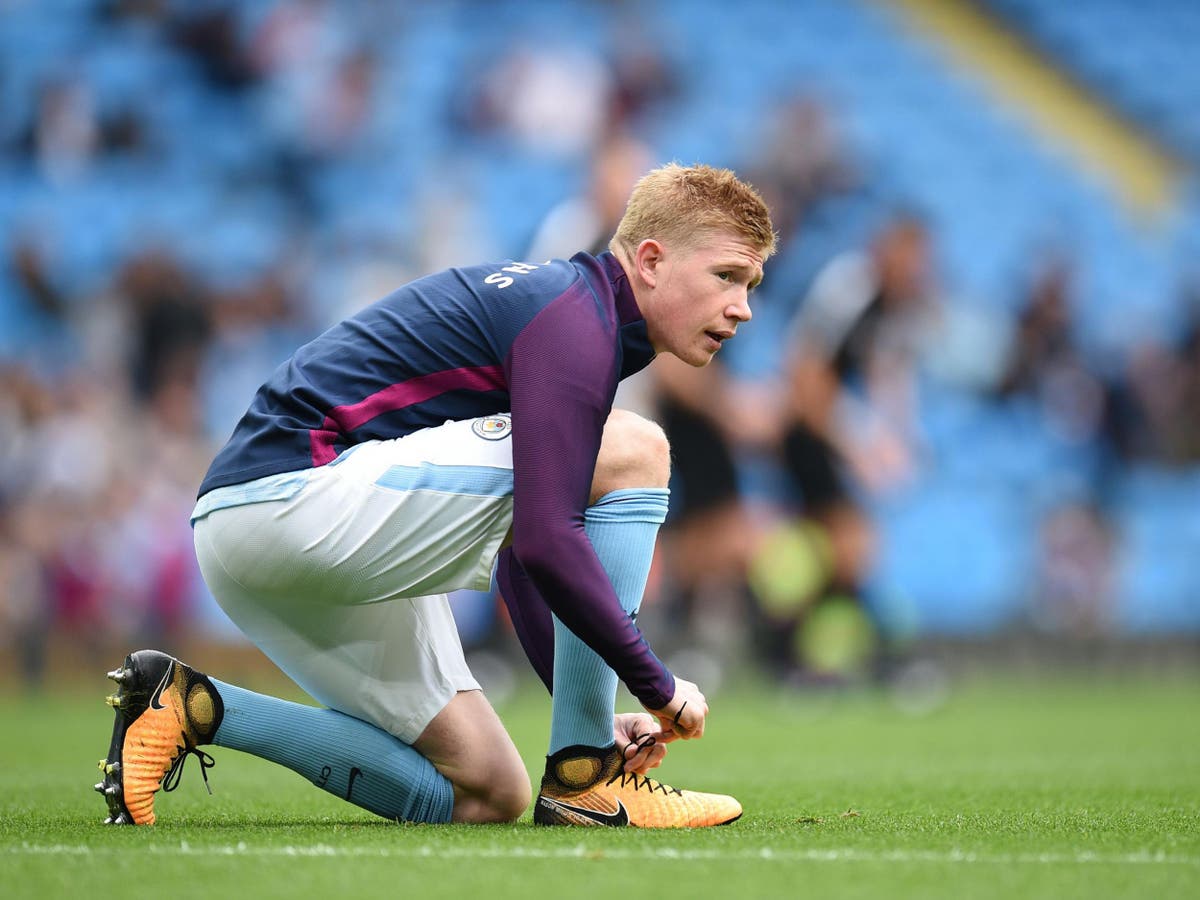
(647, 259)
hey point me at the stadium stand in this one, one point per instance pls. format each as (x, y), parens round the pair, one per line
(341, 149)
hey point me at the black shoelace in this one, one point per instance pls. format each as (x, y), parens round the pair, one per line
(171, 779)
(641, 743)
(647, 782)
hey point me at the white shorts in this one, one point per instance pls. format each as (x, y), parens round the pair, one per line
(340, 573)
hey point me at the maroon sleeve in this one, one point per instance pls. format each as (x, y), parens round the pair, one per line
(562, 373)
(529, 614)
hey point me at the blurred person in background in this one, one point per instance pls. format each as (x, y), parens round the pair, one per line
(1074, 577)
(59, 454)
(804, 162)
(26, 612)
(1073, 583)
(847, 429)
(210, 35)
(1154, 399)
(589, 219)
(551, 101)
(96, 509)
(1046, 365)
(710, 537)
(169, 318)
(64, 134)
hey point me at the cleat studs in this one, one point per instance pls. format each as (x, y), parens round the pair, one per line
(120, 676)
(99, 787)
(112, 769)
(112, 790)
(101, 764)
(114, 700)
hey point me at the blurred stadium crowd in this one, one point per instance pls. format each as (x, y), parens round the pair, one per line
(969, 403)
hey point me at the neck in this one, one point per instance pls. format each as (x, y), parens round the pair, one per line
(630, 269)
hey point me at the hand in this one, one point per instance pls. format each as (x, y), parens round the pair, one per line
(641, 740)
(684, 715)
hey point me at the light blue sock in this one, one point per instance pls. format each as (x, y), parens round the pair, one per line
(622, 526)
(338, 753)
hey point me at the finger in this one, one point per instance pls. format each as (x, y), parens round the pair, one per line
(633, 755)
(660, 730)
(684, 731)
(665, 737)
(637, 762)
(649, 758)
(679, 714)
(642, 752)
(691, 727)
(641, 767)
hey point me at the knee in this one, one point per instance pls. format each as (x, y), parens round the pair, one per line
(634, 453)
(511, 795)
(503, 797)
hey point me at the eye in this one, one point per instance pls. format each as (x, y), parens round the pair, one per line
(725, 276)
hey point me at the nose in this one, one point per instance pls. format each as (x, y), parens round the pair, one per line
(740, 310)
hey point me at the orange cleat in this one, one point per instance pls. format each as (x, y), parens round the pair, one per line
(585, 786)
(164, 709)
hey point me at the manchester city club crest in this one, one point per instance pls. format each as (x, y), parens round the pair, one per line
(493, 428)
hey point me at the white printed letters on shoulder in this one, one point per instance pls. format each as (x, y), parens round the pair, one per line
(502, 281)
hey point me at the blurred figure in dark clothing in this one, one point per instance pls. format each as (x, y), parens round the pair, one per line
(804, 163)
(1074, 578)
(1043, 335)
(171, 320)
(210, 34)
(1046, 364)
(25, 615)
(846, 430)
(1153, 406)
(710, 420)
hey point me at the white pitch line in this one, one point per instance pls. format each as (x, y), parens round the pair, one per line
(765, 854)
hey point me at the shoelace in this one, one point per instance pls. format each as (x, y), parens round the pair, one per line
(641, 742)
(647, 782)
(171, 779)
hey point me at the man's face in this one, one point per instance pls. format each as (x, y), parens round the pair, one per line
(701, 295)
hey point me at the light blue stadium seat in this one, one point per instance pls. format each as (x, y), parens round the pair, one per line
(959, 557)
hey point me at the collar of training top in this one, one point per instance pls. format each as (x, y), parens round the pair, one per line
(627, 308)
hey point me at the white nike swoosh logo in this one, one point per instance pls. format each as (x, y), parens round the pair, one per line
(162, 686)
(614, 819)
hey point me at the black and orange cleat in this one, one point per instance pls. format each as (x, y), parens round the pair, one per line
(164, 710)
(586, 786)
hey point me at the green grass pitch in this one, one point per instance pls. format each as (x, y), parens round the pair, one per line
(1013, 788)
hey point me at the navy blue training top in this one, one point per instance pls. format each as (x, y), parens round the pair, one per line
(547, 343)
